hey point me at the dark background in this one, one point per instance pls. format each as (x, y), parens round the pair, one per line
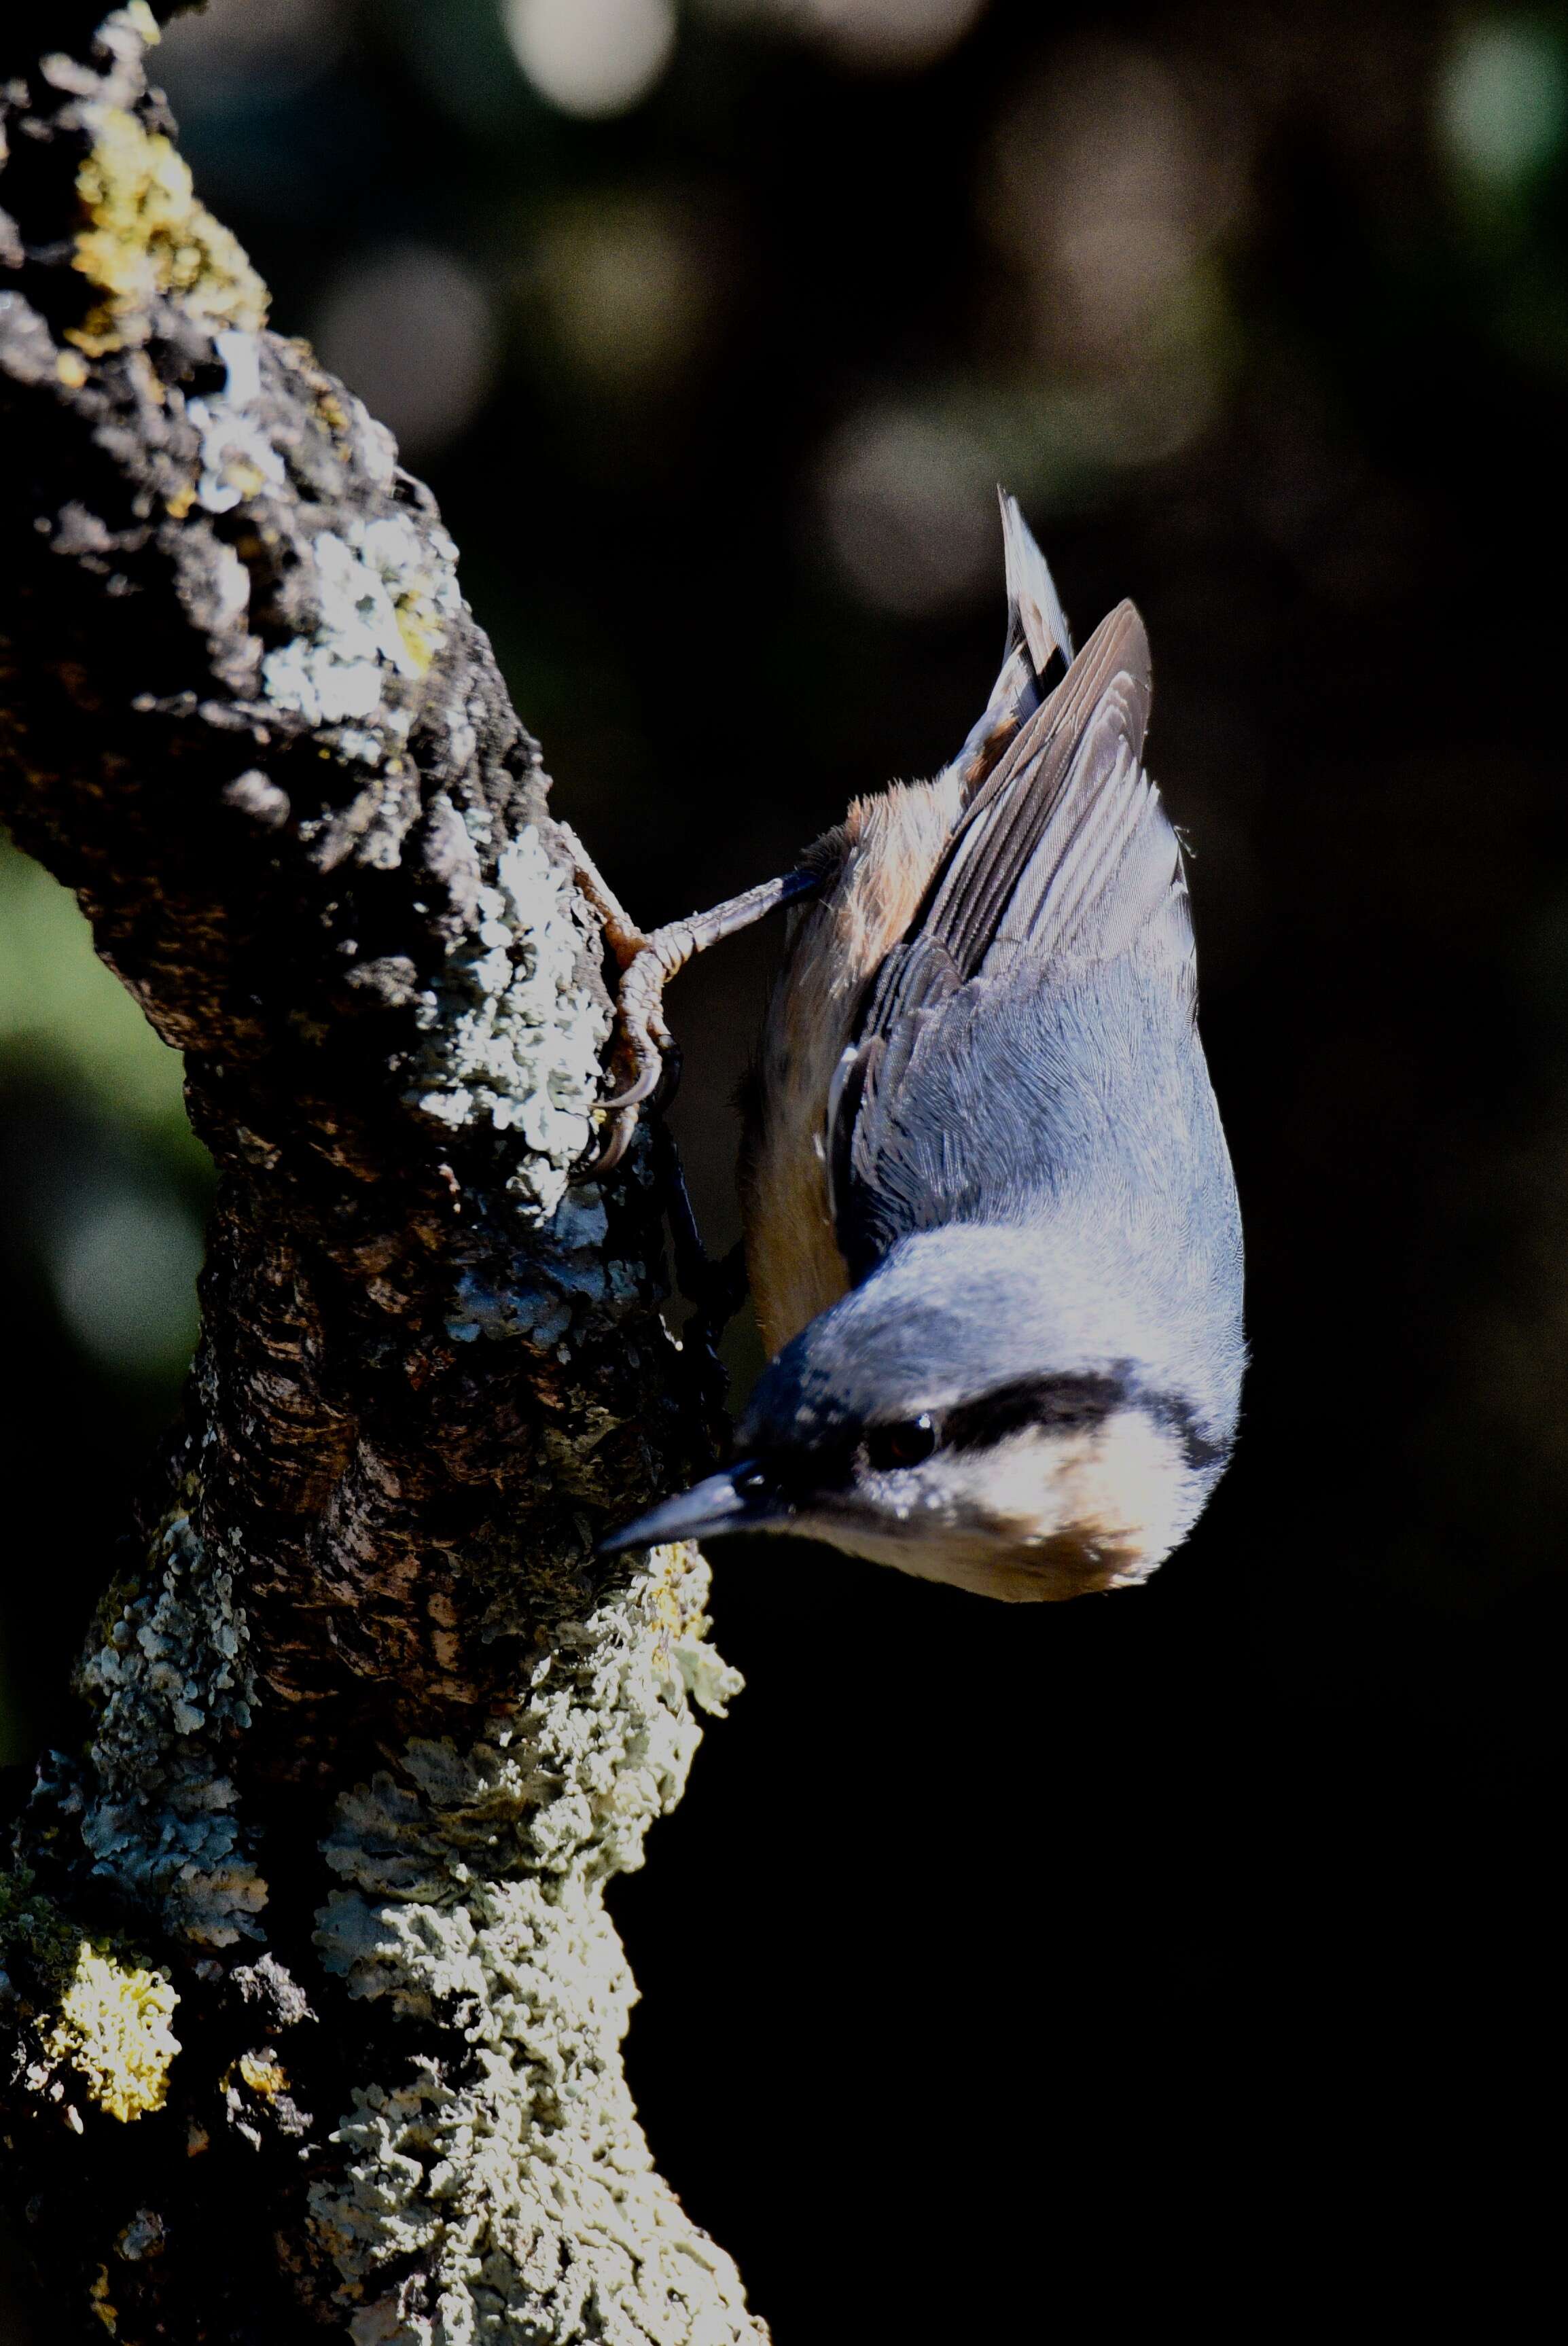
(984, 1937)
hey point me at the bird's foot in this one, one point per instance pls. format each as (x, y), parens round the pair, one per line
(648, 959)
(644, 1050)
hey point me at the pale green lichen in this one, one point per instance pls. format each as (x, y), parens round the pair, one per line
(146, 238)
(513, 1037)
(113, 2031)
(519, 2178)
(172, 1684)
(95, 2018)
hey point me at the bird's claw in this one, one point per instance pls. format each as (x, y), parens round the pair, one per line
(615, 1138)
(647, 1041)
(643, 1088)
(642, 1037)
(621, 1114)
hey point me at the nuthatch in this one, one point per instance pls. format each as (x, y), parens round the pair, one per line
(990, 1224)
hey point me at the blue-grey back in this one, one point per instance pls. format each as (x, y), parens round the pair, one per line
(1080, 1110)
(1029, 1060)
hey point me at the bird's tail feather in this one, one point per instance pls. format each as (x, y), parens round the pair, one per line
(1038, 655)
(1034, 614)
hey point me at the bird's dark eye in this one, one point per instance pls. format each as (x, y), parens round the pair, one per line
(905, 1444)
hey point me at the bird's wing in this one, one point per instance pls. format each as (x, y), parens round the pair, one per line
(1062, 860)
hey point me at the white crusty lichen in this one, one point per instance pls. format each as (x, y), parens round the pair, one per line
(237, 457)
(513, 1037)
(383, 594)
(173, 1690)
(516, 2179)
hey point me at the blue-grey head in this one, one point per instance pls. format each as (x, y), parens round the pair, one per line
(991, 1407)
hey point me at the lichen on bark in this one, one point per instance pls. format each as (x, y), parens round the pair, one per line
(88, 2021)
(371, 1725)
(474, 1891)
(154, 1804)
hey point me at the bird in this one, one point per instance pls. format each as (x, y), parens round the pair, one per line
(990, 1224)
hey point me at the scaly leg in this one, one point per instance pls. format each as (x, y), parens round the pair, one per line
(648, 960)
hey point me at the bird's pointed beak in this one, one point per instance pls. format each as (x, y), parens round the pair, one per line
(742, 1499)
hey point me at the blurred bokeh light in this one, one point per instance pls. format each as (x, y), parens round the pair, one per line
(592, 57)
(409, 329)
(124, 1258)
(1504, 99)
(626, 285)
(102, 1194)
(1107, 190)
(909, 512)
(62, 1012)
(874, 35)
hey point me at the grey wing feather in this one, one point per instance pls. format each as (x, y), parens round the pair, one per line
(1063, 860)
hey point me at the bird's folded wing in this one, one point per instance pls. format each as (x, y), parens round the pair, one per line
(1064, 859)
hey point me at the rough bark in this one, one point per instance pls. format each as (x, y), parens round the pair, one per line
(311, 2004)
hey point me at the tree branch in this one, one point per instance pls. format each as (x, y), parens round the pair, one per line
(313, 2005)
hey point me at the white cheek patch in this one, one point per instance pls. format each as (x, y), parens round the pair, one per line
(1125, 1482)
(1121, 1490)
(1044, 1514)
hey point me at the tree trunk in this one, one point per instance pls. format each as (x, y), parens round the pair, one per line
(312, 2006)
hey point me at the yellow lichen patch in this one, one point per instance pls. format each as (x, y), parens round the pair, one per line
(146, 236)
(70, 370)
(247, 478)
(678, 1587)
(673, 1598)
(99, 2300)
(662, 1594)
(139, 16)
(421, 630)
(113, 2030)
(263, 2073)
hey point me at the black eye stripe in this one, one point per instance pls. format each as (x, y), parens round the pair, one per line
(1063, 1401)
(832, 1460)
